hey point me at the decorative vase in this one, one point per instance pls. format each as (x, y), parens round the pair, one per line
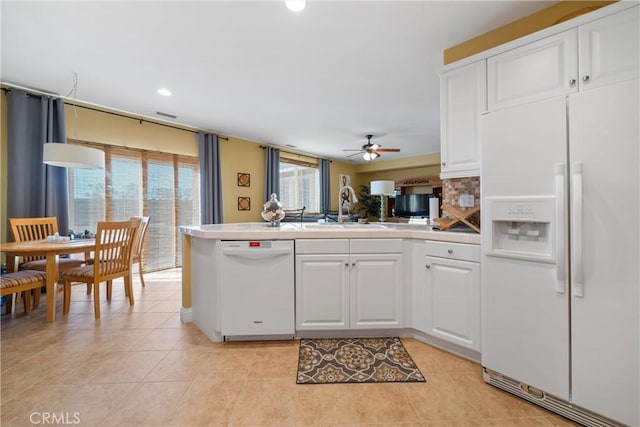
(272, 212)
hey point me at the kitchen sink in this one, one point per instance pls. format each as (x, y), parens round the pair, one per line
(362, 225)
(345, 226)
(322, 226)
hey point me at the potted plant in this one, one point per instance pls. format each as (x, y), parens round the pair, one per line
(368, 205)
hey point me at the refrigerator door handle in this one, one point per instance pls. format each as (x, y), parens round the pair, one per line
(576, 221)
(560, 231)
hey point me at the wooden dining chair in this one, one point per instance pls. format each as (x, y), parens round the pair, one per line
(38, 228)
(138, 244)
(27, 229)
(22, 281)
(114, 242)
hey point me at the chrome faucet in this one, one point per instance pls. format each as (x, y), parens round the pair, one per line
(344, 201)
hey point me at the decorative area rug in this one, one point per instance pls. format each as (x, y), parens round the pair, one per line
(355, 360)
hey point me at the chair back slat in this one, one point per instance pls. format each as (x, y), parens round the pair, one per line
(138, 242)
(28, 229)
(113, 251)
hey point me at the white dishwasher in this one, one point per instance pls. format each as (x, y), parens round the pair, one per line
(257, 286)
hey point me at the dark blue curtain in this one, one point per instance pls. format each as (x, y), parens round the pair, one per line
(272, 172)
(210, 181)
(324, 166)
(35, 189)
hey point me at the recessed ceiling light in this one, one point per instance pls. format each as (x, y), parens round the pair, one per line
(164, 92)
(295, 5)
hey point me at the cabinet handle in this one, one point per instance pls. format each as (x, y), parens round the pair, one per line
(346, 264)
(444, 163)
(450, 251)
(572, 82)
(428, 266)
(585, 78)
(353, 264)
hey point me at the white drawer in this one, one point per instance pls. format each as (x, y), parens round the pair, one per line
(375, 246)
(459, 251)
(322, 246)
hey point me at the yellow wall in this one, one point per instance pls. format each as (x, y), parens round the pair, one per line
(427, 165)
(105, 128)
(545, 18)
(238, 155)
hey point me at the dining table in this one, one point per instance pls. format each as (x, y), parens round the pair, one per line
(51, 250)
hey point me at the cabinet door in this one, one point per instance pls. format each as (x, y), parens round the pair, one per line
(376, 291)
(542, 69)
(463, 96)
(322, 292)
(609, 49)
(453, 306)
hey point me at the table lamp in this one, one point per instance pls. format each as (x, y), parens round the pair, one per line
(382, 189)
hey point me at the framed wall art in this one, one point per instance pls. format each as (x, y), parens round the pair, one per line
(244, 179)
(244, 203)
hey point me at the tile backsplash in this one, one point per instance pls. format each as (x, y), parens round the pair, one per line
(453, 188)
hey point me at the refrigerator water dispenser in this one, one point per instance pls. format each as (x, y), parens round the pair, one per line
(521, 228)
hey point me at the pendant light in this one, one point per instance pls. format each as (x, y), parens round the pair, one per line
(66, 155)
(296, 5)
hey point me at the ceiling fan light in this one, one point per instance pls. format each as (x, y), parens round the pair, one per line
(370, 155)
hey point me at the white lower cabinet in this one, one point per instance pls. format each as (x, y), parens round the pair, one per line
(322, 291)
(339, 289)
(376, 291)
(452, 293)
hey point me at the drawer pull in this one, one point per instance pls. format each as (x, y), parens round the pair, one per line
(450, 251)
(428, 266)
(257, 321)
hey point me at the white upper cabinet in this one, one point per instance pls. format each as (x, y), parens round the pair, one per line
(609, 49)
(538, 70)
(463, 97)
(594, 54)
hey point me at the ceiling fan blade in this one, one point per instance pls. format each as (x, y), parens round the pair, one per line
(388, 150)
(354, 154)
(351, 149)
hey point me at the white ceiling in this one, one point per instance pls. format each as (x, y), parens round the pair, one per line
(318, 80)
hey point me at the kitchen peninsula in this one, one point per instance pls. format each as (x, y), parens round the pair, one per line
(252, 281)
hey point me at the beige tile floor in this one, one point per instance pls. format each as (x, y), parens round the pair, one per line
(141, 366)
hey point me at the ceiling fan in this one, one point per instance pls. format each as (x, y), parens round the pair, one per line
(371, 151)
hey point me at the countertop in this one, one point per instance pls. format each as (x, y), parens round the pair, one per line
(290, 230)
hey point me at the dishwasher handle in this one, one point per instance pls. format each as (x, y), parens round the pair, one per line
(256, 253)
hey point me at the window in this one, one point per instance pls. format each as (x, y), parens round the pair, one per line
(165, 187)
(299, 185)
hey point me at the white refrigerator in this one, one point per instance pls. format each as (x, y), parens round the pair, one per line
(560, 253)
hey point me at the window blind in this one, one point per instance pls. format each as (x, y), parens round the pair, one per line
(163, 186)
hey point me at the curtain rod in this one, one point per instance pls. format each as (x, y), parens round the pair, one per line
(264, 147)
(35, 92)
(139, 119)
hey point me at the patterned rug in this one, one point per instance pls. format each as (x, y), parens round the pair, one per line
(355, 360)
